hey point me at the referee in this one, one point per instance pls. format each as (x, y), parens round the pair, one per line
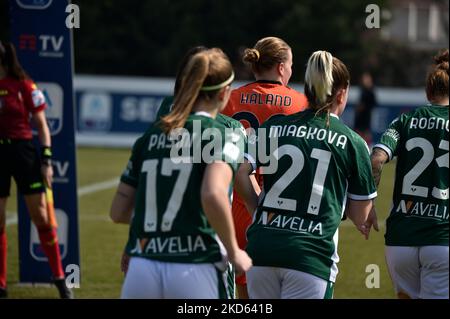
(21, 102)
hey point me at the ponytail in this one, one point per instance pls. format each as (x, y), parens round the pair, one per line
(9, 61)
(206, 73)
(195, 74)
(319, 75)
(325, 75)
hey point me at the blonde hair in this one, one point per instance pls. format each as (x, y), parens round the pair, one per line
(208, 68)
(266, 53)
(325, 75)
(437, 78)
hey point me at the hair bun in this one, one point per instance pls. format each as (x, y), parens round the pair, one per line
(443, 66)
(441, 58)
(251, 55)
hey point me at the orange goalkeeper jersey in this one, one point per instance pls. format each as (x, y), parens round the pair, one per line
(252, 105)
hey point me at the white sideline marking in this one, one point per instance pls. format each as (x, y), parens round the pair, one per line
(93, 188)
(82, 191)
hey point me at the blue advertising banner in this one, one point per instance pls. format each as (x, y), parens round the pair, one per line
(44, 47)
(114, 111)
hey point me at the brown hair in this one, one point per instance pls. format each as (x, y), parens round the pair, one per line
(184, 62)
(207, 68)
(266, 53)
(325, 75)
(437, 78)
(9, 61)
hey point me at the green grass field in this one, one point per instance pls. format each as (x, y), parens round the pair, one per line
(102, 242)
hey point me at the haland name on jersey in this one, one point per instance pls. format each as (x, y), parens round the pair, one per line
(308, 133)
(290, 223)
(430, 123)
(266, 99)
(422, 210)
(175, 245)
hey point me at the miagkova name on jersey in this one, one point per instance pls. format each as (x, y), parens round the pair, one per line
(320, 134)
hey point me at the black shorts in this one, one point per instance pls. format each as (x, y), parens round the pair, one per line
(20, 159)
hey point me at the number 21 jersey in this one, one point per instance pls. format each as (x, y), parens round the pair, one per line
(319, 166)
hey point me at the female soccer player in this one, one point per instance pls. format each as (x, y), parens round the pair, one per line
(165, 108)
(20, 99)
(417, 227)
(323, 168)
(254, 103)
(182, 202)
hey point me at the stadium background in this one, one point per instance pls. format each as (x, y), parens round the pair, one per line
(158, 33)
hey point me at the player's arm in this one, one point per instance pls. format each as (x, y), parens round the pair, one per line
(123, 204)
(358, 211)
(216, 205)
(40, 124)
(378, 158)
(247, 186)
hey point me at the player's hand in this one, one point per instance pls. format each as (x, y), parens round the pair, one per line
(372, 220)
(124, 262)
(47, 174)
(241, 261)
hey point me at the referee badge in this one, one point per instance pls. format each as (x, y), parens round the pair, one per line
(38, 98)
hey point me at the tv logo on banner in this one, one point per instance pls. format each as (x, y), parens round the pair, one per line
(50, 45)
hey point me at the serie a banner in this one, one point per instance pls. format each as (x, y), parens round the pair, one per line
(45, 49)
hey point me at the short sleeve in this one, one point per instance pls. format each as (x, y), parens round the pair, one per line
(390, 140)
(233, 147)
(130, 175)
(251, 149)
(33, 98)
(361, 185)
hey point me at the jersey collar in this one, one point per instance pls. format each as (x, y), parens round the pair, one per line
(268, 82)
(436, 105)
(203, 113)
(334, 115)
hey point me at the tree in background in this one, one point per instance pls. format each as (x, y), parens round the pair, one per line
(148, 38)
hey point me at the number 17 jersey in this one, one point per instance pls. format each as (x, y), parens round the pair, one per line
(169, 223)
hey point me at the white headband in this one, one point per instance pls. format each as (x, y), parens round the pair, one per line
(220, 85)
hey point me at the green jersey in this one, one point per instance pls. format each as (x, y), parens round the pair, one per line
(168, 222)
(319, 166)
(419, 214)
(166, 107)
